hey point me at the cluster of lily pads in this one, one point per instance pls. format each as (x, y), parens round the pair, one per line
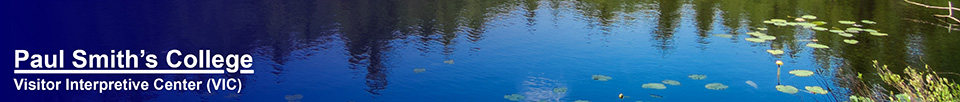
(810, 89)
(421, 70)
(660, 86)
(815, 25)
(848, 33)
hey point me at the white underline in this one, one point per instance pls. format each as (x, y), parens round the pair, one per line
(214, 71)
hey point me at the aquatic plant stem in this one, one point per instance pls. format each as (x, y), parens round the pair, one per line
(778, 74)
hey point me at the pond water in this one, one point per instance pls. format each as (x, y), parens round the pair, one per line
(482, 50)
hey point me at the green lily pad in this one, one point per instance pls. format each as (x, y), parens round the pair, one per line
(419, 70)
(801, 73)
(792, 23)
(809, 17)
(560, 89)
(697, 76)
(787, 89)
(761, 28)
(816, 89)
(850, 41)
(845, 34)
(778, 20)
(671, 82)
(581, 101)
(756, 33)
(768, 22)
(878, 34)
(513, 97)
(870, 30)
(819, 46)
(601, 77)
(780, 24)
(448, 61)
(723, 35)
(756, 40)
(767, 37)
(819, 22)
(775, 52)
(856, 29)
(836, 31)
(868, 22)
(807, 25)
(819, 28)
(716, 86)
(846, 22)
(654, 86)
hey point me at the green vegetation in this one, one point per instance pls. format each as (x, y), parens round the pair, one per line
(914, 86)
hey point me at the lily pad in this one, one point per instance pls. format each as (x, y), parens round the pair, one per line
(761, 28)
(792, 23)
(845, 34)
(654, 86)
(846, 22)
(819, 28)
(756, 40)
(419, 70)
(852, 31)
(868, 22)
(809, 17)
(671, 82)
(816, 89)
(768, 22)
(780, 24)
(836, 31)
(856, 29)
(513, 97)
(767, 37)
(448, 61)
(775, 52)
(807, 25)
(819, 22)
(870, 30)
(560, 89)
(878, 34)
(756, 33)
(716, 86)
(801, 73)
(723, 35)
(778, 20)
(850, 41)
(787, 89)
(601, 77)
(697, 76)
(819, 46)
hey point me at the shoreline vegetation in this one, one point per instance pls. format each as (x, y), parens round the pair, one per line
(913, 85)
